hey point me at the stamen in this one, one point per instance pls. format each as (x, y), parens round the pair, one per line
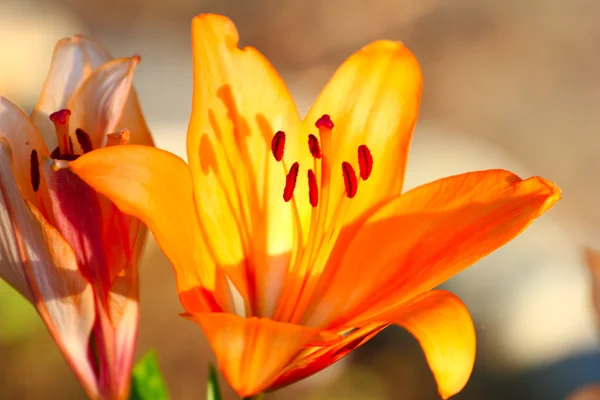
(314, 146)
(290, 182)
(55, 154)
(365, 162)
(324, 122)
(35, 170)
(313, 189)
(118, 138)
(60, 119)
(278, 145)
(350, 181)
(84, 140)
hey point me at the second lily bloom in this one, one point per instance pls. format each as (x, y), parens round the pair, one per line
(66, 248)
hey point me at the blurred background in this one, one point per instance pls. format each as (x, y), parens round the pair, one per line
(512, 84)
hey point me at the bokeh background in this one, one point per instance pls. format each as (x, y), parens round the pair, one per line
(507, 84)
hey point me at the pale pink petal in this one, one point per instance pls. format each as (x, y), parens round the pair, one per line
(73, 61)
(38, 262)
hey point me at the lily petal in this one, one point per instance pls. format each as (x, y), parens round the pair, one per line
(72, 62)
(422, 238)
(124, 315)
(23, 137)
(373, 99)
(251, 352)
(315, 360)
(444, 328)
(156, 187)
(105, 101)
(438, 320)
(239, 103)
(38, 262)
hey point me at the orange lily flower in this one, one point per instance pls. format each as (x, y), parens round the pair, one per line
(288, 272)
(67, 249)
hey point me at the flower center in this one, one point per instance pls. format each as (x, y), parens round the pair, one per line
(327, 213)
(64, 151)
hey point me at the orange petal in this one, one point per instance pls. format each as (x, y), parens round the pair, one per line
(252, 352)
(317, 359)
(443, 326)
(23, 137)
(72, 62)
(239, 103)
(422, 238)
(105, 102)
(373, 99)
(156, 187)
(38, 262)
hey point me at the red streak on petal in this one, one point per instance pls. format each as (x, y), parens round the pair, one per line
(314, 146)
(313, 189)
(365, 162)
(84, 140)
(324, 122)
(350, 181)
(290, 182)
(278, 145)
(35, 170)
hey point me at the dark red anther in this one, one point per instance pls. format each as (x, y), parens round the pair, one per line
(313, 189)
(84, 140)
(324, 122)
(365, 162)
(278, 145)
(350, 181)
(314, 146)
(35, 170)
(290, 182)
(60, 117)
(55, 154)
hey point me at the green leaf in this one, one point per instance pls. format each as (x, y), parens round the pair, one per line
(147, 382)
(212, 386)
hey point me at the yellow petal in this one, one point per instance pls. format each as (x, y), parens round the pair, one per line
(252, 352)
(443, 326)
(23, 137)
(373, 99)
(105, 102)
(156, 187)
(72, 61)
(422, 238)
(38, 262)
(239, 103)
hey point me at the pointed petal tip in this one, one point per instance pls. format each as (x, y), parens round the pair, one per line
(546, 188)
